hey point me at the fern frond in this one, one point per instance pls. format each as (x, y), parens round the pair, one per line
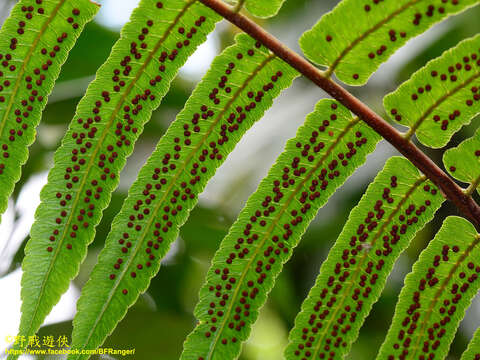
(463, 161)
(241, 85)
(325, 152)
(34, 43)
(357, 36)
(153, 46)
(441, 97)
(436, 294)
(473, 350)
(395, 207)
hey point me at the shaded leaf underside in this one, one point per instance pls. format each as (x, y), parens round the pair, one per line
(357, 36)
(395, 207)
(325, 152)
(441, 97)
(241, 85)
(34, 43)
(128, 87)
(436, 294)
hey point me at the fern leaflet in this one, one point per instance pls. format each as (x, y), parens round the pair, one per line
(473, 350)
(463, 161)
(441, 97)
(325, 152)
(263, 8)
(241, 85)
(357, 36)
(436, 294)
(34, 43)
(153, 46)
(395, 207)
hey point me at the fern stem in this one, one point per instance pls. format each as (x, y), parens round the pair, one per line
(452, 191)
(472, 187)
(239, 6)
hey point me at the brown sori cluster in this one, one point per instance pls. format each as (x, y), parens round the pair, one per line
(200, 163)
(85, 155)
(450, 75)
(286, 187)
(28, 81)
(357, 264)
(415, 326)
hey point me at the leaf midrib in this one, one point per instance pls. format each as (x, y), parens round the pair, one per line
(25, 63)
(97, 147)
(169, 188)
(439, 102)
(439, 292)
(364, 35)
(358, 268)
(12, 97)
(270, 229)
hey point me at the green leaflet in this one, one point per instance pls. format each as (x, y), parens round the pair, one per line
(441, 97)
(153, 46)
(325, 152)
(435, 295)
(463, 161)
(264, 8)
(241, 85)
(357, 36)
(395, 207)
(34, 43)
(473, 350)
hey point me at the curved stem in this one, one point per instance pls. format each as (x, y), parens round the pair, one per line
(465, 204)
(239, 6)
(473, 186)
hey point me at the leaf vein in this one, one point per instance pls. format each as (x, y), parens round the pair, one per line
(364, 257)
(344, 132)
(439, 292)
(364, 35)
(92, 157)
(25, 63)
(172, 183)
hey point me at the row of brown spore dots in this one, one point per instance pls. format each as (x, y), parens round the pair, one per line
(182, 194)
(277, 248)
(350, 260)
(392, 34)
(476, 155)
(32, 81)
(447, 305)
(85, 130)
(451, 74)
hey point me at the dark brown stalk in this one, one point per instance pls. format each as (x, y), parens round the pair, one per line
(465, 204)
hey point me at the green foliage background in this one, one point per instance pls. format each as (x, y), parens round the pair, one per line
(157, 325)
